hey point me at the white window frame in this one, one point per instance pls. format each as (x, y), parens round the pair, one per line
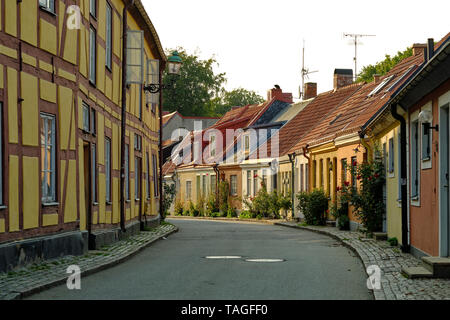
(426, 159)
(48, 5)
(415, 161)
(249, 182)
(108, 36)
(233, 185)
(92, 55)
(152, 78)
(127, 173)
(188, 189)
(137, 178)
(93, 8)
(108, 169)
(391, 157)
(148, 176)
(49, 197)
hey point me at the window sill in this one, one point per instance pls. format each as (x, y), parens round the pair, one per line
(50, 204)
(127, 201)
(95, 204)
(426, 159)
(137, 199)
(45, 9)
(3, 207)
(108, 203)
(92, 84)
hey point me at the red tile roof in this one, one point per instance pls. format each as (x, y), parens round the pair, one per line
(168, 168)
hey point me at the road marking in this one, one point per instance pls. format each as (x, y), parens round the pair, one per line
(265, 260)
(223, 257)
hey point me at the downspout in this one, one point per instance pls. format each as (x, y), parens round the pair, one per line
(292, 159)
(305, 152)
(365, 144)
(161, 208)
(124, 114)
(403, 175)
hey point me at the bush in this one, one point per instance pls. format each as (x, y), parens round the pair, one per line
(178, 210)
(393, 242)
(245, 215)
(341, 215)
(224, 190)
(200, 207)
(211, 205)
(313, 206)
(192, 211)
(231, 213)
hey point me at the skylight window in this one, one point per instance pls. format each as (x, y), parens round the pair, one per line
(335, 119)
(380, 86)
(400, 79)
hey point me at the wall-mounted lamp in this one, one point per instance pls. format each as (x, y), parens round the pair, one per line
(174, 66)
(426, 118)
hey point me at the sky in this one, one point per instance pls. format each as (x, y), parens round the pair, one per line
(258, 43)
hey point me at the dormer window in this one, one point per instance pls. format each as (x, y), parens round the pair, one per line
(246, 143)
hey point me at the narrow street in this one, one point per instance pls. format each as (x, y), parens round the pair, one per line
(313, 266)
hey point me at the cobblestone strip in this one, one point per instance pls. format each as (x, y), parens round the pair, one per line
(37, 277)
(394, 286)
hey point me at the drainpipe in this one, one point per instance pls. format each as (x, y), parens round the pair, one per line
(404, 179)
(124, 114)
(161, 208)
(365, 144)
(292, 159)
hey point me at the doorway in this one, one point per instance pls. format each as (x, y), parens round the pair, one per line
(444, 154)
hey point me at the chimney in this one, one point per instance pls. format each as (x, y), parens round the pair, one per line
(418, 48)
(430, 48)
(310, 90)
(278, 94)
(342, 78)
(376, 78)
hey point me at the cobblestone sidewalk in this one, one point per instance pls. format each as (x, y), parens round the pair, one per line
(33, 278)
(394, 286)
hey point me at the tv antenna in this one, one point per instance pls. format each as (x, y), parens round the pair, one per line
(305, 72)
(355, 42)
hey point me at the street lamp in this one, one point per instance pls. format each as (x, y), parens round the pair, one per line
(174, 66)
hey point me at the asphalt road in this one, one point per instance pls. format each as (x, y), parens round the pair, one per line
(314, 267)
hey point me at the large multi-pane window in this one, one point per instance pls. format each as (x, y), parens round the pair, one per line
(93, 8)
(47, 5)
(306, 178)
(92, 55)
(426, 145)
(94, 172)
(108, 49)
(391, 161)
(188, 190)
(343, 171)
(127, 174)
(155, 175)
(264, 177)
(301, 177)
(255, 182)
(415, 160)
(152, 78)
(86, 123)
(108, 168)
(249, 182)
(147, 181)
(137, 178)
(213, 184)
(48, 157)
(354, 178)
(233, 185)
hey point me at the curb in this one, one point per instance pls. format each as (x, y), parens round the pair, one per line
(344, 243)
(101, 267)
(271, 222)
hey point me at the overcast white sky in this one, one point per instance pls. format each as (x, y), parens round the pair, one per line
(258, 43)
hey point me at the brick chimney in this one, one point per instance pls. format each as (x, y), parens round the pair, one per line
(418, 48)
(279, 95)
(310, 90)
(342, 78)
(376, 78)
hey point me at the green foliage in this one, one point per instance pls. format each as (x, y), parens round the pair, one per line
(224, 191)
(199, 91)
(168, 196)
(211, 205)
(267, 205)
(178, 210)
(313, 206)
(393, 242)
(368, 200)
(231, 213)
(246, 215)
(382, 67)
(201, 206)
(192, 211)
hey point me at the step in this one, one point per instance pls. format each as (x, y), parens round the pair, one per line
(380, 235)
(416, 272)
(440, 267)
(331, 223)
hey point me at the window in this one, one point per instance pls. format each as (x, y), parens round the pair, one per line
(137, 178)
(314, 174)
(127, 174)
(213, 184)
(188, 190)
(400, 78)
(155, 175)
(321, 174)
(94, 172)
(343, 171)
(108, 169)
(153, 78)
(108, 50)
(92, 55)
(47, 5)
(381, 85)
(255, 182)
(137, 142)
(246, 143)
(426, 145)
(204, 190)
(306, 177)
(48, 155)
(212, 146)
(233, 184)
(354, 165)
(147, 181)
(275, 181)
(415, 160)
(391, 161)
(301, 177)
(93, 8)
(93, 126)
(249, 182)
(86, 123)
(264, 177)
(399, 165)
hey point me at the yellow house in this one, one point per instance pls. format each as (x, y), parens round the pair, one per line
(60, 98)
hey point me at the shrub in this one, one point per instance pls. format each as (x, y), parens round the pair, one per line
(393, 242)
(224, 190)
(341, 215)
(245, 215)
(211, 205)
(231, 213)
(313, 206)
(169, 193)
(192, 211)
(200, 207)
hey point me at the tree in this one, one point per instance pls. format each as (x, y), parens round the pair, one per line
(236, 97)
(195, 87)
(382, 67)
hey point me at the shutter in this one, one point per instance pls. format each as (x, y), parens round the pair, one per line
(135, 56)
(152, 78)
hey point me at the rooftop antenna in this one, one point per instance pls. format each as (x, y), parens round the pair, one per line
(305, 72)
(355, 42)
